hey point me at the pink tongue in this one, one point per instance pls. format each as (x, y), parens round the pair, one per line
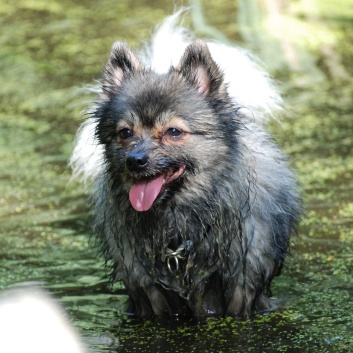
(144, 192)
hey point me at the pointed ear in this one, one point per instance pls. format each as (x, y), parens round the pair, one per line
(198, 67)
(121, 63)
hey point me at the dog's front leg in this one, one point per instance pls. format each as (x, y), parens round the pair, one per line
(208, 300)
(158, 302)
(145, 296)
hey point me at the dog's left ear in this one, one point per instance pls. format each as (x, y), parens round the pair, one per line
(198, 67)
(121, 64)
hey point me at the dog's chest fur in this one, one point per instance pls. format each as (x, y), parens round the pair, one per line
(153, 237)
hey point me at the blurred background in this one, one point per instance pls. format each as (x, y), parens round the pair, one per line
(50, 49)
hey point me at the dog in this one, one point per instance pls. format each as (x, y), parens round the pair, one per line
(193, 202)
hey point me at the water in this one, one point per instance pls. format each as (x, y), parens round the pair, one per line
(48, 49)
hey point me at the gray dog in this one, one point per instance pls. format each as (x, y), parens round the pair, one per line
(193, 203)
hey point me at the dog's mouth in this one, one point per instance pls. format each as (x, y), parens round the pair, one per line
(145, 191)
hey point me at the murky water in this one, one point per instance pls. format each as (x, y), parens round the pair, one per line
(48, 49)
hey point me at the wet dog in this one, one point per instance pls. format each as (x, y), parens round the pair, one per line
(193, 203)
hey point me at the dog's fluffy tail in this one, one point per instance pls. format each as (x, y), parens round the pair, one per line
(248, 85)
(87, 160)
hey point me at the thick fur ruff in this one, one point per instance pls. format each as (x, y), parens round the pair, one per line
(193, 202)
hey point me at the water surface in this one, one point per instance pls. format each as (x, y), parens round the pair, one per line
(49, 49)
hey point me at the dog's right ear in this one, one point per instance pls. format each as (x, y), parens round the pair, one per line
(121, 63)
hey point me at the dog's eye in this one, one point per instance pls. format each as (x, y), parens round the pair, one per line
(173, 132)
(125, 133)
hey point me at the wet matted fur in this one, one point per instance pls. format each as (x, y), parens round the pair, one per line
(193, 202)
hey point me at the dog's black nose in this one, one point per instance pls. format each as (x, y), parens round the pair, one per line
(136, 162)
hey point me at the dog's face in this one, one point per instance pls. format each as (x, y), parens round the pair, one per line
(161, 130)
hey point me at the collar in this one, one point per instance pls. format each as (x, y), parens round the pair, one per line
(172, 257)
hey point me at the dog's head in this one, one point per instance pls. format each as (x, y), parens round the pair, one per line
(161, 130)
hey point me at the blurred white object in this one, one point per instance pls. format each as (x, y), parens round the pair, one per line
(32, 322)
